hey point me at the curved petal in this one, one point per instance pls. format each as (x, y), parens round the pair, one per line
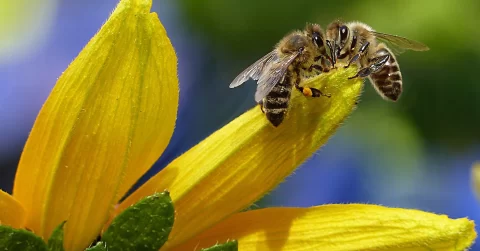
(109, 117)
(339, 228)
(12, 212)
(239, 163)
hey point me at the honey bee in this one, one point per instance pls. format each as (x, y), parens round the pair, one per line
(357, 42)
(299, 54)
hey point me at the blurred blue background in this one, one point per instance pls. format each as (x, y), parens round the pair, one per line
(416, 153)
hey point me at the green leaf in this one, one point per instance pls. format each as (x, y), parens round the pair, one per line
(20, 239)
(55, 243)
(227, 246)
(143, 226)
(100, 246)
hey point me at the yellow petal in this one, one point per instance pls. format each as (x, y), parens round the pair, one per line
(476, 179)
(109, 117)
(12, 212)
(239, 163)
(339, 228)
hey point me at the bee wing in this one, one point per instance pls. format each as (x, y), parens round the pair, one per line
(273, 75)
(400, 44)
(253, 71)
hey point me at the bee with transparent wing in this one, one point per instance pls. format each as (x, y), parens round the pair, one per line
(299, 54)
(373, 51)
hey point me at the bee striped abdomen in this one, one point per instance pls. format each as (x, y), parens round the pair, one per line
(275, 104)
(388, 80)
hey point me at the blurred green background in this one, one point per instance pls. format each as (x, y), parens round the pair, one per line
(440, 85)
(414, 153)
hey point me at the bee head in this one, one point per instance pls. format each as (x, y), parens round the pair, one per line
(337, 35)
(315, 32)
(295, 43)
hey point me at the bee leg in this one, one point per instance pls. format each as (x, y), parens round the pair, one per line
(354, 58)
(332, 53)
(310, 92)
(330, 60)
(318, 68)
(261, 106)
(317, 93)
(377, 64)
(307, 91)
(323, 59)
(360, 53)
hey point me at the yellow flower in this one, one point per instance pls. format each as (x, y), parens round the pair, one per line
(111, 115)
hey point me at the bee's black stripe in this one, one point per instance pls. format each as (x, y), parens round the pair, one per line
(382, 74)
(395, 76)
(276, 118)
(388, 82)
(281, 90)
(276, 103)
(391, 90)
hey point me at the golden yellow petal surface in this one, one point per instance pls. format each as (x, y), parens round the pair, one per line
(109, 117)
(239, 163)
(12, 212)
(339, 228)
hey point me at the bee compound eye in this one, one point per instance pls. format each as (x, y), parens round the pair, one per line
(343, 33)
(318, 40)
